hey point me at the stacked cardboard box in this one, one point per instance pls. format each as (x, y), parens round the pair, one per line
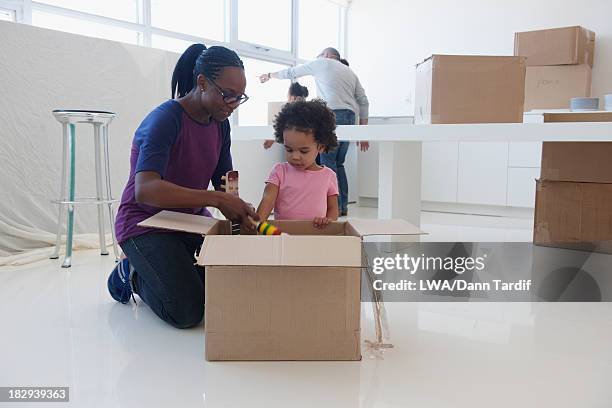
(470, 89)
(288, 297)
(574, 194)
(559, 63)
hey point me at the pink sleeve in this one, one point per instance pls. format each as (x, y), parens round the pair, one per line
(333, 184)
(275, 176)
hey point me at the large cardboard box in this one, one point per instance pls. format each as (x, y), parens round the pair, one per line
(557, 46)
(573, 215)
(589, 162)
(470, 89)
(273, 109)
(552, 87)
(288, 297)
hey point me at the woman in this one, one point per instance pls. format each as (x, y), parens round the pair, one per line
(179, 148)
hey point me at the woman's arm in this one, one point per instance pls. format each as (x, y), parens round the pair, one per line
(267, 201)
(153, 191)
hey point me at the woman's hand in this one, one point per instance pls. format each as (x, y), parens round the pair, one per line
(364, 146)
(320, 222)
(264, 78)
(233, 208)
(268, 144)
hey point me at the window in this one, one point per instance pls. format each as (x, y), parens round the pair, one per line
(7, 15)
(265, 22)
(255, 111)
(319, 27)
(263, 30)
(83, 27)
(200, 18)
(169, 43)
(128, 10)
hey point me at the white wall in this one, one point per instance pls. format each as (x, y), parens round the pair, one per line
(42, 70)
(409, 31)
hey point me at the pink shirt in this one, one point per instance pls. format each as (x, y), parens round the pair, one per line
(302, 194)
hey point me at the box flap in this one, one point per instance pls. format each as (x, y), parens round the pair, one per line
(366, 227)
(283, 250)
(578, 117)
(176, 221)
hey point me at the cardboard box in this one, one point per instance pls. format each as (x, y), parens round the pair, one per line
(557, 46)
(470, 89)
(587, 162)
(553, 87)
(573, 215)
(288, 297)
(273, 109)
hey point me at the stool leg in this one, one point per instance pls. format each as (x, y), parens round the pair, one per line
(62, 195)
(109, 194)
(99, 193)
(71, 146)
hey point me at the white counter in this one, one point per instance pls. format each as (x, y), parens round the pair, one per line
(400, 151)
(485, 132)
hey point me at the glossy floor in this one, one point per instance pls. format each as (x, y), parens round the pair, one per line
(61, 328)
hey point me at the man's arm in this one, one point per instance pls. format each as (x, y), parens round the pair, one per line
(298, 71)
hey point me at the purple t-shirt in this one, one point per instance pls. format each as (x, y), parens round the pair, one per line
(182, 151)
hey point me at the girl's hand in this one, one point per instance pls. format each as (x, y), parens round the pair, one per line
(364, 146)
(320, 222)
(268, 144)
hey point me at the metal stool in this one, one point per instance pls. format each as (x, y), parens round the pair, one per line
(100, 121)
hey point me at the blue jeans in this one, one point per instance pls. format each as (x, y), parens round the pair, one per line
(335, 160)
(166, 277)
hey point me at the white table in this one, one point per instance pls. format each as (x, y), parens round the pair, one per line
(399, 188)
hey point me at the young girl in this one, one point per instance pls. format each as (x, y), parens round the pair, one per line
(300, 189)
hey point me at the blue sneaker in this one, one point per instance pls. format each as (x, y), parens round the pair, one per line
(119, 284)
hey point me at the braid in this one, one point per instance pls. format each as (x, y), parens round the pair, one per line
(182, 77)
(196, 60)
(213, 60)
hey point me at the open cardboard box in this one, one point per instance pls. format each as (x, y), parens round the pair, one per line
(287, 297)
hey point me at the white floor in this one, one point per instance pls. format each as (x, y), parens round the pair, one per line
(60, 327)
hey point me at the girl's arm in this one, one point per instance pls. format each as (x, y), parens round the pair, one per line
(332, 208)
(267, 201)
(331, 215)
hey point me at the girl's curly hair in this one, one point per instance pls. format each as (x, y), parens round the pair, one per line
(308, 116)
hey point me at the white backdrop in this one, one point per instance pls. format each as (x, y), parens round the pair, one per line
(42, 70)
(409, 31)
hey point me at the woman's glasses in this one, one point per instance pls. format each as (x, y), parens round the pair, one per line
(229, 98)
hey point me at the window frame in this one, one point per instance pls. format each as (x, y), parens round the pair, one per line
(23, 14)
